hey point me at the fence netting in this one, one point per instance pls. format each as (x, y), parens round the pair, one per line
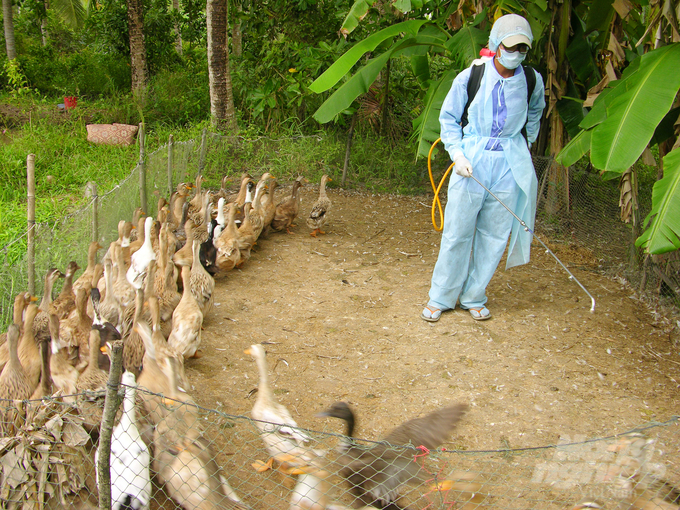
(202, 458)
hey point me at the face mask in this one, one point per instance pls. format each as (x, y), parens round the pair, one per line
(511, 60)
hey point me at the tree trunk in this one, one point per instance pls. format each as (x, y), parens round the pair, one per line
(8, 23)
(557, 200)
(43, 24)
(137, 47)
(178, 35)
(222, 113)
(385, 101)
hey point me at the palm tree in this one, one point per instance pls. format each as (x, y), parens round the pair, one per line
(8, 23)
(222, 112)
(137, 46)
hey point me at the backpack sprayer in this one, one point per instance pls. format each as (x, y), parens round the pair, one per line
(436, 205)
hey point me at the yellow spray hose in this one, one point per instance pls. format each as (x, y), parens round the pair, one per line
(436, 204)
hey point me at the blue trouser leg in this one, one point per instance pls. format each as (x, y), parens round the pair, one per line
(451, 269)
(491, 237)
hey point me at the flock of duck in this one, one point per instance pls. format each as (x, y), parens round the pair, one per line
(152, 290)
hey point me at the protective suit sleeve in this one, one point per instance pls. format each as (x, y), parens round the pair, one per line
(450, 115)
(536, 106)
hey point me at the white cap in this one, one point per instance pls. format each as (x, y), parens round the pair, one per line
(510, 30)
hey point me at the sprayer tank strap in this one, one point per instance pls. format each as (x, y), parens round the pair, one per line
(476, 74)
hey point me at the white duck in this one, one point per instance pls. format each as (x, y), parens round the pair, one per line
(278, 429)
(130, 457)
(140, 259)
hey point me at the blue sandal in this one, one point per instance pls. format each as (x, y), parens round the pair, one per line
(431, 314)
(480, 313)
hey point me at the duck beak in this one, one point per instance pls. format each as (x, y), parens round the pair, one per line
(34, 299)
(247, 351)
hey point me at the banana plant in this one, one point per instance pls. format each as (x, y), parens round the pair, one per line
(621, 124)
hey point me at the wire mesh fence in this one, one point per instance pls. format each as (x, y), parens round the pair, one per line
(181, 455)
(603, 216)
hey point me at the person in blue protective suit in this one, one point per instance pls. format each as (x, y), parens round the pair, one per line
(492, 147)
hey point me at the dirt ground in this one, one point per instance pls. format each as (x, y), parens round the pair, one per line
(341, 312)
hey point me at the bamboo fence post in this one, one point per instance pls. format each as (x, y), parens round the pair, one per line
(30, 215)
(92, 193)
(204, 149)
(171, 140)
(111, 405)
(142, 169)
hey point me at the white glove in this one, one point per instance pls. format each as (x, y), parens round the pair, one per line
(462, 166)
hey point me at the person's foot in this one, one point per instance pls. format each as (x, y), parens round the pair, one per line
(480, 313)
(431, 313)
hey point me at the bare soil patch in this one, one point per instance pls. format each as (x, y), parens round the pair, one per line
(342, 314)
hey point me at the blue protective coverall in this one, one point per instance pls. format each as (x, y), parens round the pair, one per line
(476, 226)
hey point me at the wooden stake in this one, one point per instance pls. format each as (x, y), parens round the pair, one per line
(204, 149)
(30, 214)
(142, 169)
(171, 140)
(111, 405)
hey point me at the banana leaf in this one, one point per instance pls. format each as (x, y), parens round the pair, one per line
(354, 16)
(344, 64)
(426, 125)
(600, 16)
(464, 46)
(359, 83)
(663, 221)
(633, 115)
(575, 149)
(570, 109)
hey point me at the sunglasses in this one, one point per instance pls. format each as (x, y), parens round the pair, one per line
(522, 48)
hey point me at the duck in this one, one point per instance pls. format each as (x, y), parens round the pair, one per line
(185, 461)
(240, 197)
(44, 388)
(201, 282)
(21, 301)
(140, 259)
(122, 290)
(75, 330)
(136, 237)
(201, 219)
(183, 256)
(14, 385)
(41, 328)
(207, 253)
(91, 386)
(161, 365)
(288, 209)
(278, 429)
(84, 281)
(109, 307)
(197, 201)
(133, 345)
(65, 302)
(185, 337)
(375, 474)
(130, 459)
(269, 205)
(256, 213)
(227, 246)
(64, 373)
(107, 331)
(320, 210)
(29, 353)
